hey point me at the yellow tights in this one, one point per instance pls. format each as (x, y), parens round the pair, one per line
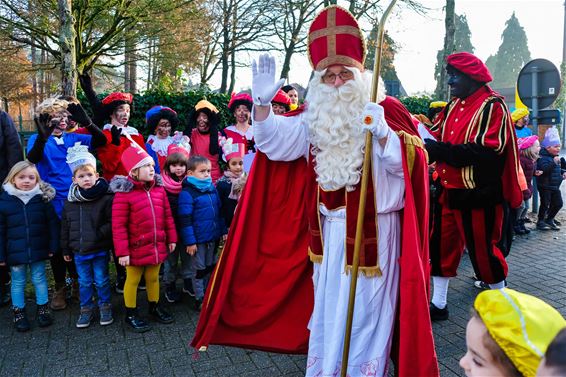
(133, 277)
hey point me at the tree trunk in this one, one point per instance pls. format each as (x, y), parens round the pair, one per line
(42, 75)
(449, 22)
(67, 46)
(130, 67)
(33, 65)
(287, 62)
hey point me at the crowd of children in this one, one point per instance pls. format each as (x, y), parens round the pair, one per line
(55, 207)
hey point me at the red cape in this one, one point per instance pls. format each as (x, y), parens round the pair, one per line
(261, 293)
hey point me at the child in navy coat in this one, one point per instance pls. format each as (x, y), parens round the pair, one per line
(29, 235)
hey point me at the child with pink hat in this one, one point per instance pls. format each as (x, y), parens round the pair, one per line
(529, 148)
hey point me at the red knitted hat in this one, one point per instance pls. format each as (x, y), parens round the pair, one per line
(118, 96)
(135, 157)
(470, 65)
(335, 38)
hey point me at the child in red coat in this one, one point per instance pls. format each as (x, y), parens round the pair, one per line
(143, 232)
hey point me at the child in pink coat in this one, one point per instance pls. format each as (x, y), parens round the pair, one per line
(143, 232)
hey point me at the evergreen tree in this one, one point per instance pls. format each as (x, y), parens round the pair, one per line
(462, 42)
(389, 50)
(512, 55)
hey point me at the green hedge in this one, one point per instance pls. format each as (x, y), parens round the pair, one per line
(182, 103)
(417, 105)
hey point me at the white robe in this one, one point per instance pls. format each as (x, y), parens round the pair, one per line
(286, 139)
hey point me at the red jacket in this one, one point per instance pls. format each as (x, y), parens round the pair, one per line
(142, 223)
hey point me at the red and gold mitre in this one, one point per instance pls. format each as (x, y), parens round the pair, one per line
(335, 38)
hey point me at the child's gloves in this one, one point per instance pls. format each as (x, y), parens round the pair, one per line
(373, 120)
(264, 86)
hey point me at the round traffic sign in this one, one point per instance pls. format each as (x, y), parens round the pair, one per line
(547, 81)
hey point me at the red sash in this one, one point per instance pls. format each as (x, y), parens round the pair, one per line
(333, 200)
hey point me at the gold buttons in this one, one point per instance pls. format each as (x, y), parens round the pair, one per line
(443, 171)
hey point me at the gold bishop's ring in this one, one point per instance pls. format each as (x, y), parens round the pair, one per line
(368, 119)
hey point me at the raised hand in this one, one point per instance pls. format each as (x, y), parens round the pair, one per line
(44, 126)
(78, 114)
(264, 86)
(373, 120)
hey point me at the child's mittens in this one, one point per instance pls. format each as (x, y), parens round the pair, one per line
(373, 120)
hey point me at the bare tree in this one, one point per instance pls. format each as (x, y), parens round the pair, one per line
(441, 91)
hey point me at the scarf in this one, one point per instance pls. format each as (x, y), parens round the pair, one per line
(203, 185)
(160, 145)
(235, 189)
(24, 196)
(171, 185)
(77, 194)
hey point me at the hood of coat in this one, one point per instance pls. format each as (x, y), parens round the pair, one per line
(47, 191)
(121, 183)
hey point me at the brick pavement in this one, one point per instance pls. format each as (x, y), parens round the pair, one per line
(537, 266)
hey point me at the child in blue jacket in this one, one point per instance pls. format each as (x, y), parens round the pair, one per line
(200, 222)
(29, 235)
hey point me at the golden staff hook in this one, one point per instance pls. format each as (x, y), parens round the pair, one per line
(363, 193)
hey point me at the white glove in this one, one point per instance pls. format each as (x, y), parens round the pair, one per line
(264, 86)
(373, 120)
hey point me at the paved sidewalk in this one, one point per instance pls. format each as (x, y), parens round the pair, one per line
(537, 266)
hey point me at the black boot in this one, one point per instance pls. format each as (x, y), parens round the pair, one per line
(44, 317)
(523, 227)
(437, 314)
(135, 321)
(20, 320)
(159, 314)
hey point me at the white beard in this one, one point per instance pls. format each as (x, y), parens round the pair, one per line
(334, 117)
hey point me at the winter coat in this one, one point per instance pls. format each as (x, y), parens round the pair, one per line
(551, 177)
(228, 206)
(528, 166)
(86, 227)
(28, 232)
(142, 223)
(110, 154)
(10, 147)
(199, 215)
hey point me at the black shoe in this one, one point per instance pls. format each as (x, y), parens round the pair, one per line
(172, 294)
(135, 321)
(159, 314)
(198, 305)
(188, 287)
(20, 320)
(552, 224)
(44, 317)
(437, 314)
(119, 288)
(525, 229)
(556, 222)
(542, 225)
(518, 230)
(481, 285)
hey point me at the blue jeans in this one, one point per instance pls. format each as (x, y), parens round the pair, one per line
(38, 278)
(93, 269)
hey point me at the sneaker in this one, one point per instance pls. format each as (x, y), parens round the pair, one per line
(119, 288)
(542, 225)
(106, 314)
(141, 285)
(188, 287)
(556, 222)
(552, 224)
(481, 285)
(21, 322)
(437, 314)
(172, 294)
(85, 318)
(44, 317)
